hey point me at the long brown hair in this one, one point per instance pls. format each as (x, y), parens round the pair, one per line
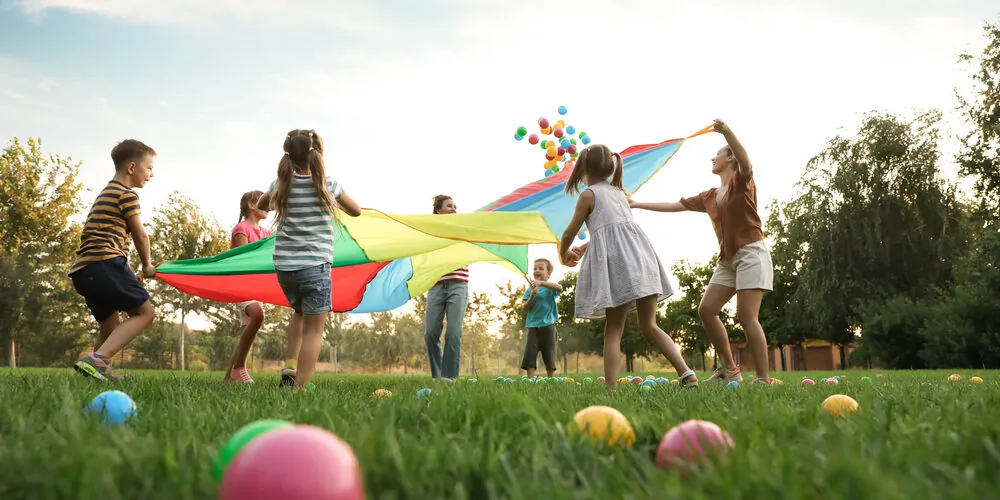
(245, 201)
(596, 162)
(303, 148)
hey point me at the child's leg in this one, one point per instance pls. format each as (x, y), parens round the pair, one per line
(312, 341)
(106, 327)
(314, 289)
(253, 317)
(294, 334)
(614, 325)
(747, 307)
(255, 313)
(127, 330)
(647, 325)
(547, 344)
(529, 362)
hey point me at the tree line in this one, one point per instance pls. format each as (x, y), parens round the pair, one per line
(876, 250)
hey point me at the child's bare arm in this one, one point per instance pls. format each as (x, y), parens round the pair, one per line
(550, 285)
(583, 208)
(141, 240)
(348, 204)
(240, 240)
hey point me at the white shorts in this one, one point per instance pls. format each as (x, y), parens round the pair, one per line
(242, 308)
(750, 269)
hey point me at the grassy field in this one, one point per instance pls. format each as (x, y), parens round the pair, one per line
(918, 436)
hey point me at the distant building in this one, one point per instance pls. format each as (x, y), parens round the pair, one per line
(810, 355)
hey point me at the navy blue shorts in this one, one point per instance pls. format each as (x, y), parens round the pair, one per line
(109, 286)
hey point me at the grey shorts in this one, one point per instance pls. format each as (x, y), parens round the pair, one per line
(309, 290)
(749, 269)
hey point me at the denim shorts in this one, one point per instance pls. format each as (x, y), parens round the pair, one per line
(309, 290)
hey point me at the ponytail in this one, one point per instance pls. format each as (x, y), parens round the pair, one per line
(616, 178)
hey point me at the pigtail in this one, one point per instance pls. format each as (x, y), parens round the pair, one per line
(616, 178)
(282, 188)
(576, 177)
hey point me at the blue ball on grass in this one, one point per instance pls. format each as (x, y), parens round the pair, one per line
(115, 407)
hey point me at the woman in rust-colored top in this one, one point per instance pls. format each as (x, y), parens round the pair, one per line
(744, 268)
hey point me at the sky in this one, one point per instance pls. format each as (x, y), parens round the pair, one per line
(415, 99)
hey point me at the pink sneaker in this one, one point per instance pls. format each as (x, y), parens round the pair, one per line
(241, 375)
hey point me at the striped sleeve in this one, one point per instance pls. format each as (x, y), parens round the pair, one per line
(128, 203)
(335, 189)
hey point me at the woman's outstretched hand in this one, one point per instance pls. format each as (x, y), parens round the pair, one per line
(721, 127)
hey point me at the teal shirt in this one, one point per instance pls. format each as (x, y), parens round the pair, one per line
(543, 310)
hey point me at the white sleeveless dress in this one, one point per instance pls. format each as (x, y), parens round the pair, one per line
(620, 265)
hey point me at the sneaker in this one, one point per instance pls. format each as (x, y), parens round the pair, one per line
(724, 375)
(760, 380)
(89, 366)
(240, 375)
(688, 380)
(287, 377)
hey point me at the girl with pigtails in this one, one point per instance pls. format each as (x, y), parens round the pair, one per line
(305, 200)
(620, 271)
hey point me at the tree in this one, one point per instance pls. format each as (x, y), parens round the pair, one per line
(958, 325)
(179, 231)
(776, 312)
(39, 311)
(477, 342)
(871, 211)
(156, 347)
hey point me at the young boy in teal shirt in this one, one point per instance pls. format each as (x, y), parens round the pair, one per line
(540, 304)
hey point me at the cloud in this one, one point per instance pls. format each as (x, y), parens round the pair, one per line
(431, 107)
(351, 16)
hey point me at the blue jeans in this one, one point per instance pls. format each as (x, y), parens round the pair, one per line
(447, 299)
(309, 290)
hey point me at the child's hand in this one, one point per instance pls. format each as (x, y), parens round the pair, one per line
(571, 258)
(148, 271)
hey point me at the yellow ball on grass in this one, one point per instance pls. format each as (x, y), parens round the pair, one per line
(604, 423)
(840, 405)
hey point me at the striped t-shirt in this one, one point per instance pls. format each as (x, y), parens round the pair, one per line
(305, 238)
(456, 275)
(105, 235)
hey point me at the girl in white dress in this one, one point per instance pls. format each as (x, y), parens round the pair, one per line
(621, 271)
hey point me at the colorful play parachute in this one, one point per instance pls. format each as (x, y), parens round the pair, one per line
(381, 261)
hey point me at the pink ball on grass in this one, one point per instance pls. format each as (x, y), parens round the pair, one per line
(300, 462)
(690, 443)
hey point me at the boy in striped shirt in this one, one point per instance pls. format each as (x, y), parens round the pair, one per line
(101, 273)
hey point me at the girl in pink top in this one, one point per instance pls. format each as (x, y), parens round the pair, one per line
(248, 230)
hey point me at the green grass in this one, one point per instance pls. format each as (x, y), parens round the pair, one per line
(917, 437)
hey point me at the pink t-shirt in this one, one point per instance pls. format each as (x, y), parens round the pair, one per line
(252, 233)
